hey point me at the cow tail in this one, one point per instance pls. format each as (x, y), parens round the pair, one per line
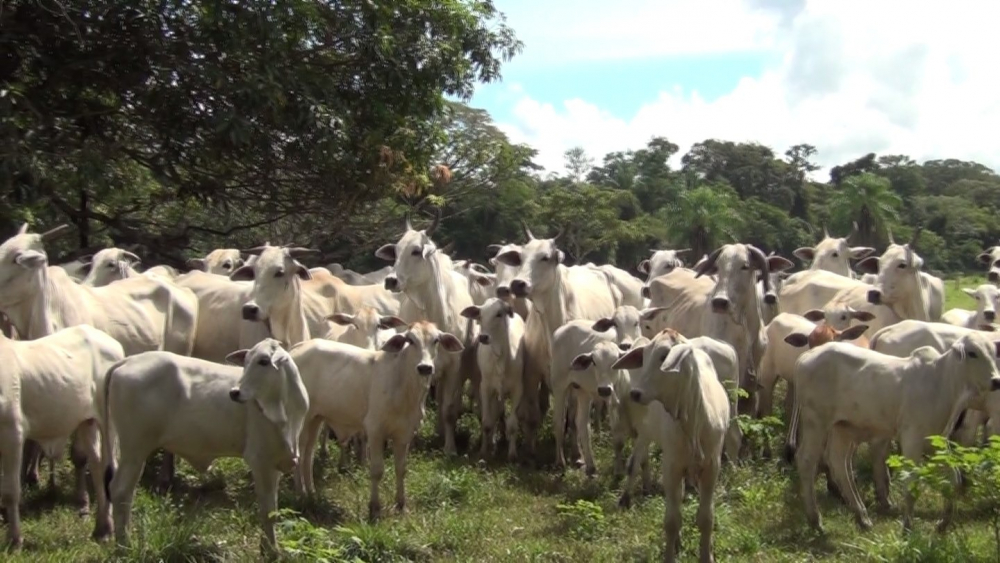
(168, 322)
(108, 443)
(791, 442)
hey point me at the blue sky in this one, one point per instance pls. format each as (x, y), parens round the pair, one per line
(914, 77)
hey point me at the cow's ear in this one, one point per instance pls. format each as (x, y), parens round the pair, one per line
(852, 333)
(582, 362)
(302, 272)
(863, 316)
(806, 253)
(245, 273)
(644, 267)
(471, 312)
(868, 265)
(390, 321)
(387, 252)
(797, 339)
(984, 258)
(238, 358)
(778, 264)
(859, 252)
(395, 344)
(603, 325)
(197, 264)
(814, 315)
(632, 360)
(450, 342)
(510, 258)
(343, 319)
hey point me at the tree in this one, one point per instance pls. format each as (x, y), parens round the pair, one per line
(257, 111)
(869, 200)
(703, 218)
(578, 163)
(842, 172)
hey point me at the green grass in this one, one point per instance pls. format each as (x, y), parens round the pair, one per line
(463, 510)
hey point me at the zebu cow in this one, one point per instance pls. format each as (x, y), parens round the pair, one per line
(628, 285)
(729, 311)
(48, 393)
(221, 261)
(682, 378)
(660, 263)
(987, 298)
(111, 264)
(435, 292)
(833, 254)
(846, 395)
(221, 330)
(480, 280)
(991, 259)
(203, 411)
(355, 278)
(901, 285)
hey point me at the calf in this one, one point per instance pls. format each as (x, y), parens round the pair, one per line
(202, 411)
(47, 395)
(682, 378)
(987, 298)
(380, 393)
(111, 264)
(501, 361)
(846, 394)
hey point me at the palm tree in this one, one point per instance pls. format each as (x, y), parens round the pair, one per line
(869, 200)
(702, 218)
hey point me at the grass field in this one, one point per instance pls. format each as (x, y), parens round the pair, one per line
(463, 510)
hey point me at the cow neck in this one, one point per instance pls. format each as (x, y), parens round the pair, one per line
(553, 306)
(406, 383)
(947, 387)
(33, 315)
(434, 297)
(915, 308)
(292, 326)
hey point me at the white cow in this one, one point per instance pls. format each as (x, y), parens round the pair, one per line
(111, 264)
(661, 262)
(221, 328)
(435, 292)
(481, 281)
(991, 259)
(901, 284)
(833, 254)
(380, 393)
(48, 394)
(501, 362)
(628, 285)
(682, 378)
(221, 261)
(987, 298)
(202, 411)
(846, 394)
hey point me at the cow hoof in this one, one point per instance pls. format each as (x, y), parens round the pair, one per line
(101, 533)
(591, 471)
(864, 524)
(625, 501)
(943, 525)
(579, 463)
(14, 543)
(374, 512)
(401, 507)
(83, 511)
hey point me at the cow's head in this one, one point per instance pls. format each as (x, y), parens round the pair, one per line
(271, 381)
(627, 322)
(839, 318)
(476, 273)
(898, 273)
(660, 263)
(364, 327)
(991, 259)
(768, 292)
(276, 275)
(736, 267)
(592, 373)
(108, 265)
(504, 272)
(973, 358)
(221, 261)
(412, 257)
(825, 333)
(987, 298)
(644, 362)
(22, 257)
(834, 254)
(417, 349)
(494, 317)
(537, 264)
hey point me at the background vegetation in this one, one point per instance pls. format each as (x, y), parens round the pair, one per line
(173, 127)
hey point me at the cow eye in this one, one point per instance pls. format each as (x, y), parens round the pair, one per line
(263, 361)
(279, 273)
(500, 314)
(110, 264)
(902, 266)
(973, 355)
(545, 258)
(415, 252)
(227, 265)
(843, 317)
(745, 267)
(836, 254)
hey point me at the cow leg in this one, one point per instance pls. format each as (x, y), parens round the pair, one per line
(512, 423)
(399, 451)
(31, 456)
(303, 475)
(619, 433)
(639, 456)
(452, 397)
(12, 446)
(360, 444)
(489, 420)
(376, 468)
(880, 472)
(78, 456)
(167, 476)
(840, 449)
(811, 447)
(673, 497)
(559, 424)
(324, 437)
(583, 406)
(87, 444)
(265, 484)
(122, 486)
(706, 507)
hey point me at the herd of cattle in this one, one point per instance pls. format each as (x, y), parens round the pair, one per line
(123, 363)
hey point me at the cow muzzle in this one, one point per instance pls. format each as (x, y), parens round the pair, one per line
(624, 346)
(250, 312)
(604, 391)
(503, 292)
(990, 315)
(636, 395)
(720, 305)
(391, 283)
(234, 394)
(993, 276)
(484, 339)
(645, 292)
(425, 369)
(874, 297)
(995, 385)
(770, 298)
(520, 288)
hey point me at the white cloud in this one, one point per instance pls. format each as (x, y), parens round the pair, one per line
(913, 77)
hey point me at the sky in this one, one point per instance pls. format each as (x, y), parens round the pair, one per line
(913, 77)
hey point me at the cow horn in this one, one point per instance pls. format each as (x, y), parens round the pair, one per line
(255, 251)
(409, 227)
(437, 221)
(916, 236)
(558, 234)
(527, 231)
(891, 241)
(22, 229)
(56, 232)
(131, 256)
(759, 261)
(682, 251)
(826, 233)
(446, 249)
(854, 232)
(708, 263)
(296, 251)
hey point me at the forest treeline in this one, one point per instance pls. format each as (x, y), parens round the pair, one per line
(173, 127)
